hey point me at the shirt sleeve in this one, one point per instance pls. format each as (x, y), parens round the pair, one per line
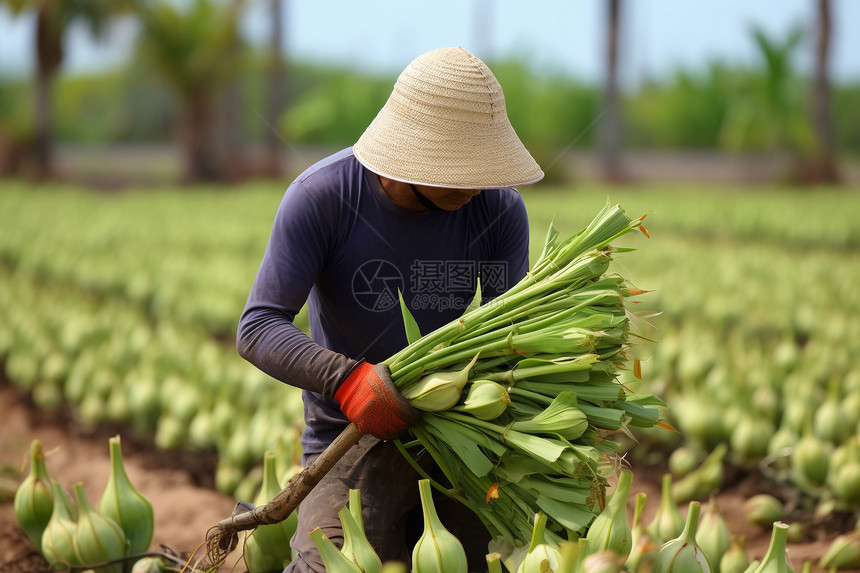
(512, 245)
(301, 238)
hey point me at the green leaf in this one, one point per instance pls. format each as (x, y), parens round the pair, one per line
(561, 417)
(646, 400)
(558, 369)
(413, 333)
(640, 415)
(597, 393)
(549, 244)
(516, 465)
(465, 448)
(606, 418)
(572, 516)
(476, 300)
(563, 489)
(546, 449)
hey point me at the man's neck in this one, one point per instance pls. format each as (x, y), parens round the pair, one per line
(401, 194)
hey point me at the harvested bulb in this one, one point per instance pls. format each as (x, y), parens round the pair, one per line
(700, 482)
(712, 534)
(682, 554)
(355, 544)
(438, 391)
(148, 565)
(333, 559)
(33, 504)
(846, 482)
(97, 538)
(683, 460)
(267, 548)
(763, 510)
(810, 460)
(644, 548)
(735, 559)
(562, 417)
(58, 539)
(124, 504)
(775, 560)
(603, 562)
(611, 529)
(438, 550)
(844, 552)
(667, 522)
(486, 400)
(541, 555)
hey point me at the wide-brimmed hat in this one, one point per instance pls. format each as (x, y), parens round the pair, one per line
(445, 125)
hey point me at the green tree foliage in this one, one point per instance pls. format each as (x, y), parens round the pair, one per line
(768, 110)
(331, 106)
(687, 111)
(86, 108)
(53, 19)
(550, 112)
(15, 107)
(193, 48)
(846, 107)
(196, 51)
(334, 108)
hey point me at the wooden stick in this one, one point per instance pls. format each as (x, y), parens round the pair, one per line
(283, 504)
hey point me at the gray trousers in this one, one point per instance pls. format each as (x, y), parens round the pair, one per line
(391, 507)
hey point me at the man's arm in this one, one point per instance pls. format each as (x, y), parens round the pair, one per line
(267, 337)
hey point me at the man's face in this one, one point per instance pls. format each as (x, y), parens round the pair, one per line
(448, 198)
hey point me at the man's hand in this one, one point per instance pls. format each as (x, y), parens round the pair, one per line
(370, 400)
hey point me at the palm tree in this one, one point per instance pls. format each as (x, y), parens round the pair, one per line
(195, 52)
(822, 166)
(768, 111)
(610, 140)
(229, 124)
(275, 92)
(53, 19)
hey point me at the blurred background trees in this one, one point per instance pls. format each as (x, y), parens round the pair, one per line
(53, 19)
(236, 109)
(823, 159)
(197, 52)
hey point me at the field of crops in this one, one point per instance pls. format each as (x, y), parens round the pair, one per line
(122, 308)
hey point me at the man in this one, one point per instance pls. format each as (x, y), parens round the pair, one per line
(422, 204)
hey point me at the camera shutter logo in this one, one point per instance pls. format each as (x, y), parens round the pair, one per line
(375, 285)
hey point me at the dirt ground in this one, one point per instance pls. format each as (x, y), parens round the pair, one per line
(180, 486)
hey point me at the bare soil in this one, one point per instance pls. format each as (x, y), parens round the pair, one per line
(181, 488)
(180, 485)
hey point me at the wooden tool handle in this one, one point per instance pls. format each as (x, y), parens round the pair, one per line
(283, 504)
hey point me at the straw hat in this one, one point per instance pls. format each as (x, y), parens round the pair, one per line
(445, 125)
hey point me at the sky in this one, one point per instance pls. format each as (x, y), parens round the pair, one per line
(566, 36)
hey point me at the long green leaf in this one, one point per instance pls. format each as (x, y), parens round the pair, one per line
(465, 448)
(572, 516)
(413, 333)
(476, 300)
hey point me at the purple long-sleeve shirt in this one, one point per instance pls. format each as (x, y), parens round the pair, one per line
(343, 246)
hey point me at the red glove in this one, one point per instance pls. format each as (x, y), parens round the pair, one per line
(370, 400)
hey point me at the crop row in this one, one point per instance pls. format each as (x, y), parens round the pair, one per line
(758, 332)
(124, 307)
